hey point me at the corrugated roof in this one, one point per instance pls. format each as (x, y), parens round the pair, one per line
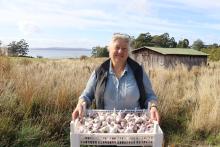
(174, 51)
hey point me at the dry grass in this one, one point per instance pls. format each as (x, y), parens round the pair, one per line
(189, 100)
(42, 94)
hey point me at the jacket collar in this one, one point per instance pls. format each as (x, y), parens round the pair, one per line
(111, 68)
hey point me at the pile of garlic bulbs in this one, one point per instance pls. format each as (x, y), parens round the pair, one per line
(116, 122)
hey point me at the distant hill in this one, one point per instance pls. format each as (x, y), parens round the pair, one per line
(61, 48)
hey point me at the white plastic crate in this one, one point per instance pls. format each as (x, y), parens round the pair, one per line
(154, 139)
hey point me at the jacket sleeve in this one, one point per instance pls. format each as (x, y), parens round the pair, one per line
(88, 93)
(150, 95)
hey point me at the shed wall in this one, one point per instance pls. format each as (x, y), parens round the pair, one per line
(152, 59)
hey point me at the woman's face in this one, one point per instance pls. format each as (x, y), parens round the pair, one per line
(118, 51)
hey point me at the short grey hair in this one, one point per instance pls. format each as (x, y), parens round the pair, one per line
(122, 36)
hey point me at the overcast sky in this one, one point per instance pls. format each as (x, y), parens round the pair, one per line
(88, 23)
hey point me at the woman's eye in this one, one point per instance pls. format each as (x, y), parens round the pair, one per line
(117, 47)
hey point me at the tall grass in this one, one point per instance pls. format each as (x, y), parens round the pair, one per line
(37, 98)
(189, 102)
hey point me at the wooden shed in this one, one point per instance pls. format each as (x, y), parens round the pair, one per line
(152, 57)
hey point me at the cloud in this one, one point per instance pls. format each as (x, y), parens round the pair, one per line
(134, 7)
(77, 14)
(28, 28)
(47, 20)
(201, 4)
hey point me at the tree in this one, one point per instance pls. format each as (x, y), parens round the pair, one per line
(160, 40)
(171, 43)
(144, 39)
(164, 40)
(198, 44)
(23, 47)
(214, 45)
(13, 48)
(157, 41)
(100, 51)
(183, 43)
(18, 48)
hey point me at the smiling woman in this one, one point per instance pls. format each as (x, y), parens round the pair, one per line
(118, 52)
(119, 83)
(108, 84)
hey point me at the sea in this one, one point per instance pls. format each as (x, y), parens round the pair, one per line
(59, 53)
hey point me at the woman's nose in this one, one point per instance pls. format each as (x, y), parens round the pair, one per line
(120, 50)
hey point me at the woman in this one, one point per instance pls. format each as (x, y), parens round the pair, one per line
(118, 83)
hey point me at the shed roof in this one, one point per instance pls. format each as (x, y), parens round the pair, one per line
(173, 51)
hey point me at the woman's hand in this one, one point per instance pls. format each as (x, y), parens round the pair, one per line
(154, 115)
(79, 110)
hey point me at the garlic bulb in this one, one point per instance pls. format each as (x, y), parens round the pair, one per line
(97, 125)
(113, 129)
(129, 130)
(116, 122)
(141, 129)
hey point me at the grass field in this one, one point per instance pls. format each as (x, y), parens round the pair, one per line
(37, 97)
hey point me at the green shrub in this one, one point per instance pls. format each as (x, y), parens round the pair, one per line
(29, 135)
(214, 53)
(8, 131)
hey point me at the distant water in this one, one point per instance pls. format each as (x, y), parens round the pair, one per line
(57, 53)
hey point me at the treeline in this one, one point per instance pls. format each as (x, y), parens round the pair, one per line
(165, 41)
(15, 48)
